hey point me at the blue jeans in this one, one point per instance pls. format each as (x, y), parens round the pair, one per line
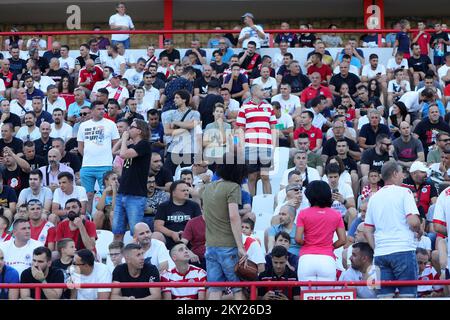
(126, 43)
(149, 220)
(398, 266)
(128, 208)
(220, 262)
(88, 176)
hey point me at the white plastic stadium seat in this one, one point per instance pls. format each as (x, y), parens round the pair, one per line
(104, 238)
(263, 208)
(127, 238)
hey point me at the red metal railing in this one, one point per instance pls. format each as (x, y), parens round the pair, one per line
(253, 285)
(271, 32)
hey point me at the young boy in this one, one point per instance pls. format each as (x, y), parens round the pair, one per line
(252, 245)
(283, 239)
(66, 249)
(402, 41)
(439, 41)
(373, 186)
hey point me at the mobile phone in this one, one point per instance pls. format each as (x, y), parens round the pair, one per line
(277, 292)
(379, 74)
(335, 191)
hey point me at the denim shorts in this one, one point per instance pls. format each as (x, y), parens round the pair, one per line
(128, 208)
(257, 158)
(88, 176)
(220, 262)
(126, 43)
(398, 266)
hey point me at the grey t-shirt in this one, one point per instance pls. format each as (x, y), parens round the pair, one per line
(27, 195)
(407, 151)
(183, 143)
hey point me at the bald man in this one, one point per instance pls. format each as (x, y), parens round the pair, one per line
(155, 251)
(55, 167)
(89, 75)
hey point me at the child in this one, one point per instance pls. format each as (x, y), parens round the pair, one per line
(283, 239)
(438, 42)
(66, 249)
(373, 186)
(251, 245)
(402, 41)
(104, 199)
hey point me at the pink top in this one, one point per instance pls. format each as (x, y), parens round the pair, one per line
(320, 225)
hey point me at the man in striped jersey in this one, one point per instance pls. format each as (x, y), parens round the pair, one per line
(183, 272)
(256, 124)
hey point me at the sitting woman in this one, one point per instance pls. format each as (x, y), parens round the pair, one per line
(104, 202)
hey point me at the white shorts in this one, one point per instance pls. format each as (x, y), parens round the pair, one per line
(316, 267)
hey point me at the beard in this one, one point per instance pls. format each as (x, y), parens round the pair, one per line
(72, 215)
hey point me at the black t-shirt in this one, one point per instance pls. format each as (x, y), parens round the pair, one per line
(176, 217)
(175, 54)
(219, 68)
(135, 170)
(419, 64)
(57, 264)
(197, 61)
(370, 135)
(80, 61)
(16, 66)
(17, 179)
(57, 75)
(202, 84)
(16, 145)
(298, 83)
(163, 177)
(43, 148)
(329, 148)
(442, 35)
(270, 275)
(306, 41)
(350, 164)
(134, 115)
(373, 159)
(14, 119)
(149, 273)
(246, 63)
(428, 131)
(7, 196)
(72, 161)
(256, 73)
(43, 64)
(44, 116)
(36, 162)
(283, 71)
(54, 276)
(206, 108)
(352, 80)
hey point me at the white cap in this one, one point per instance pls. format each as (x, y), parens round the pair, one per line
(418, 166)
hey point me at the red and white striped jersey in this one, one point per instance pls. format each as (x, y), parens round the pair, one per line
(194, 274)
(256, 120)
(5, 237)
(429, 273)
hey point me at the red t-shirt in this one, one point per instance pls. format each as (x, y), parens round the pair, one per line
(195, 232)
(96, 75)
(69, 98)
(44, 233)
(106, 116)
(350, 115)
(423, 41)
(310, 93)
(324, 71)
(63, 231)
(8, 79)
(314, 134)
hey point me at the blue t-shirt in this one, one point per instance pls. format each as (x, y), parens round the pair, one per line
(426, 106)
(157, 135)
(294, 248)
(74, 109)
(403, 42)
(354, 61)
(9, 275)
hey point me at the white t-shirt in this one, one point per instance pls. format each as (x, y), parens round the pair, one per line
(14, 107)
(393, 86)
(66, 131)
(100, 274)
(134, 78)
(365, 120)
(442, 212)
(114, 62)
(313, 175)
(150, 98)
(352, 69)
(319, 120)
(60, 197)
(344, 178)
(233, 105)
(158, 254)
(367, 71)
(19, 258)
(99, 85)
(269, 85)
(124, 94)
(43, 83)
(346, 191)
(393, 65)
(2, 85)
(288, 106)
(286, 120)
(364, 292)
(351, 131)
(281, 198)
(424, 243)
(59, 103)
(42, 43)
(411, 101)
(124, 20)
(387, 212)
(97, 137)
(67, 63)
(24, 135)
(442, 72)
(254, 252)
(253, 36)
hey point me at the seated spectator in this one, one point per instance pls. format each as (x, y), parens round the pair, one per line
(8, 140)
(8, 201)
(41, 229)
(155, 197)
(280, 271)
(440, 172)
(370, 131)
(35, 161)
(315, 89)
(216, 135)
(308, 174)
(87, 270)
(442, 142)
(155, 251)
(42, 271)
(4, 229)
(374, 184)
(289, 103)
(427, 273)
(8, 117)
(68, 158)
(29, 131)
(289, 38)
(67, 190)
(267, 83)
(376, 156)
(332, 40)
(115, 253)
(9, 275)
(51, 172)
(324, 70)
(76, 227)
(296, 79)
(172, 216)
(398, 115)
(408, 148)
(374, 70)
(330, 146)
(66, 250)
(135, 270)
(44, 143)
(419, 64)
(397, 87)
(396, 62)
(104, 201)
(305, 125)
(15, 171)
(236, 83)
(163, 176)
(342, 77)
(283, 239)
(284, 126)
(194, 236)
(59, 128)
(286, 217)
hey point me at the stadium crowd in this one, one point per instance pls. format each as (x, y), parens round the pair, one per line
(166, 153)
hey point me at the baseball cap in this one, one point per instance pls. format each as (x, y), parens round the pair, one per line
(248, 14)
(293, 187)
(116, 75)
(418, 166)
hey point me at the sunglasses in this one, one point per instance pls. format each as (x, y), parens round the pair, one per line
(83, 114)
(445, 140)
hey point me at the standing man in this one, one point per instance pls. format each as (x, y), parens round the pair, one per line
(96, 137)
(441, 223)
(132, 196)
(256, 124)
(121, 21)
(391, 220)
